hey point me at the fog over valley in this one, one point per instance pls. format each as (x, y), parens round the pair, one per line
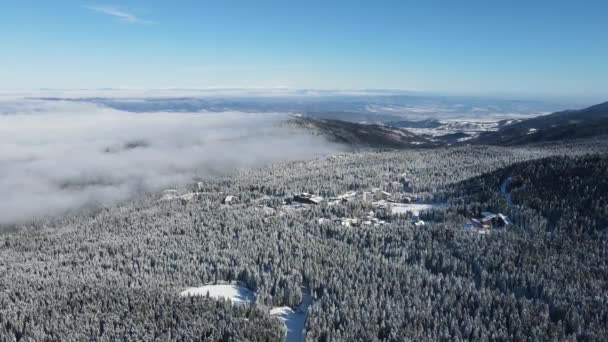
(57, 156)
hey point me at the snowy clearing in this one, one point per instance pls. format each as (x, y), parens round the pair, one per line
(414, 208)
(294, 320)
(237, 294)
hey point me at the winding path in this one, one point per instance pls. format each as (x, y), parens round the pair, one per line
(295, 320)
(503, 190)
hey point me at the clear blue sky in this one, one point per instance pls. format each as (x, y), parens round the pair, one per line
(524, 47)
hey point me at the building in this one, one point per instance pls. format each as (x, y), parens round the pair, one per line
(494, 220)
(347, 196)
(229, 200)
(307, 198)
(380, 195)
(408, 199)
(350, 222)
(503, 220)
(488, 220)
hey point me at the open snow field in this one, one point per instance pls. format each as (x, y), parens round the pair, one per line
(414, 208)
(237, 294)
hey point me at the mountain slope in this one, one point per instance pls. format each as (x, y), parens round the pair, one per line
(428, 123)
(569, 192)
(566, 125)
(362, 135)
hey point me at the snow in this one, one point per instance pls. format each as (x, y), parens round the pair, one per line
(414, 208)
(349, 222)
(189, 196)
(488, 217)
(347, 195)
(228, 200)
(419, 223)
(294, 319)
(532, 131)
(169, 195)
(237, 294)
(316, 199)
(469, 227)
(505, 219)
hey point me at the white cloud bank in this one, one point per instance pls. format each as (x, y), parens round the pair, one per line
(58, 156)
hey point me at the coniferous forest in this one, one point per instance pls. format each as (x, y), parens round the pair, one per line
(115, 272)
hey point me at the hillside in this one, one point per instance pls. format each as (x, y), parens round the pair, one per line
(366, 282)
(569, 192)
(428, 123)
(358, 135)
(565, 125)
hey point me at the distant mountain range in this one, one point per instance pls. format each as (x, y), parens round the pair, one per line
(565, 125)
(405, 134)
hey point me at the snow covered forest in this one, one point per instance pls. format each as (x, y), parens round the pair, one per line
(115, 273)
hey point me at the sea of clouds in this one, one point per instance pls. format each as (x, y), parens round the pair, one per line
(57, 156)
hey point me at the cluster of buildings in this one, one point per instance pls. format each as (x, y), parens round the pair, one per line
(377, 197)
(367, 220)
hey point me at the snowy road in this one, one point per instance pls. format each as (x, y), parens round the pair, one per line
(503, 190)
(295, 320)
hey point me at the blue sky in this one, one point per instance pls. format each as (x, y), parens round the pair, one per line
(534, 47)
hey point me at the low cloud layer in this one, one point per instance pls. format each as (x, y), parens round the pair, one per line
(59, 156)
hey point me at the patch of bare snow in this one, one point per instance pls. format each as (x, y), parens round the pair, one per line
(171, 194)
(237, 294)
(414, 208)
(532, 131)
(465, 139)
